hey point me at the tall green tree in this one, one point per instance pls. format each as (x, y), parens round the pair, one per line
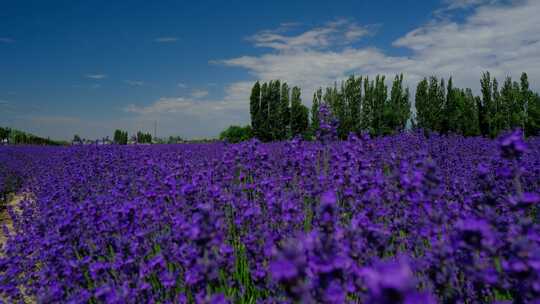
(451, 109)
(120, 137)
(429, 101)
(4, 134)
(254, 108)
(486, 107)
(526, 98)
(438, 105)
(498, 111)
(507, 96)
(274, 109)
(285, 112)
(379, 103)
(398, 109)
(532, 125)
(421, 103)
(368, 107)
(467, 122)
(317, 100)
(299, 114)
(264, 127)
(352, 95)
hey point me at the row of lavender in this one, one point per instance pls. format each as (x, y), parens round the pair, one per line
(400, 219)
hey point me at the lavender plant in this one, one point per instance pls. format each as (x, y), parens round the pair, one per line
(397, 219)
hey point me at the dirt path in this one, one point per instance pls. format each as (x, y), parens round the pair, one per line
(12, 202)
(5, 219)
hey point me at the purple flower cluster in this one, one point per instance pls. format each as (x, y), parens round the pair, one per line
(328, 124)
(397, 219)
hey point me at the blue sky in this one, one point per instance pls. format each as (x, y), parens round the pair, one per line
(89, 67)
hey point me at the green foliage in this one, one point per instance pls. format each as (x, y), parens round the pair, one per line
(422, 105)
(235, 134)
(17, 137)
(4, 134)
(532, 125)
(120, 137)
(255, 108)
(398, 109)
(317, 99)
(299, 114)
(144, 138)
(363, 105)
(264, 127)
(284, 113)
(274, 112)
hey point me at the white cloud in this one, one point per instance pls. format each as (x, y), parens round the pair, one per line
(182, 85)
(6, 40)
(191, 117)
(163, 105)
(339, 31)
(96, 76)
(199, 93)
(462, 4)
(166, 39)
(135, 83)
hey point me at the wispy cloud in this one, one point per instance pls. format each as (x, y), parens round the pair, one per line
(134, 83)
(163, 105)
(462, 4)
(166, 39)
(182, 85)
(330, 34)
(6, 40)
(199, 93)
(96, 76)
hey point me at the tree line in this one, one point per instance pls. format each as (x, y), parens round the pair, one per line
(17, 137)
(455, 110)
(121, 137)
(361, 104)
(277, 112)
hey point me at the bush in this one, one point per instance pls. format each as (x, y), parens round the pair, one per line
(235, 134)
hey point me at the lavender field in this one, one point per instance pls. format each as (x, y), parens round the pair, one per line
(396, 219)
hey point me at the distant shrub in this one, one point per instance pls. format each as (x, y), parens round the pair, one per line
(235, 134)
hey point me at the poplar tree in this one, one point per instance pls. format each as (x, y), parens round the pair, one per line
(354, 101)
(468, 117)
(285, 112)
(451, 114)
(264, 123)
(497, 111)
(366, 121)
(398, 109)
(317, 100)
(485, 108)
(532, 125)
(525, 97)
(274, 109)
(299, 114)
(379, 103)
(254, 108)
(421, 103)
